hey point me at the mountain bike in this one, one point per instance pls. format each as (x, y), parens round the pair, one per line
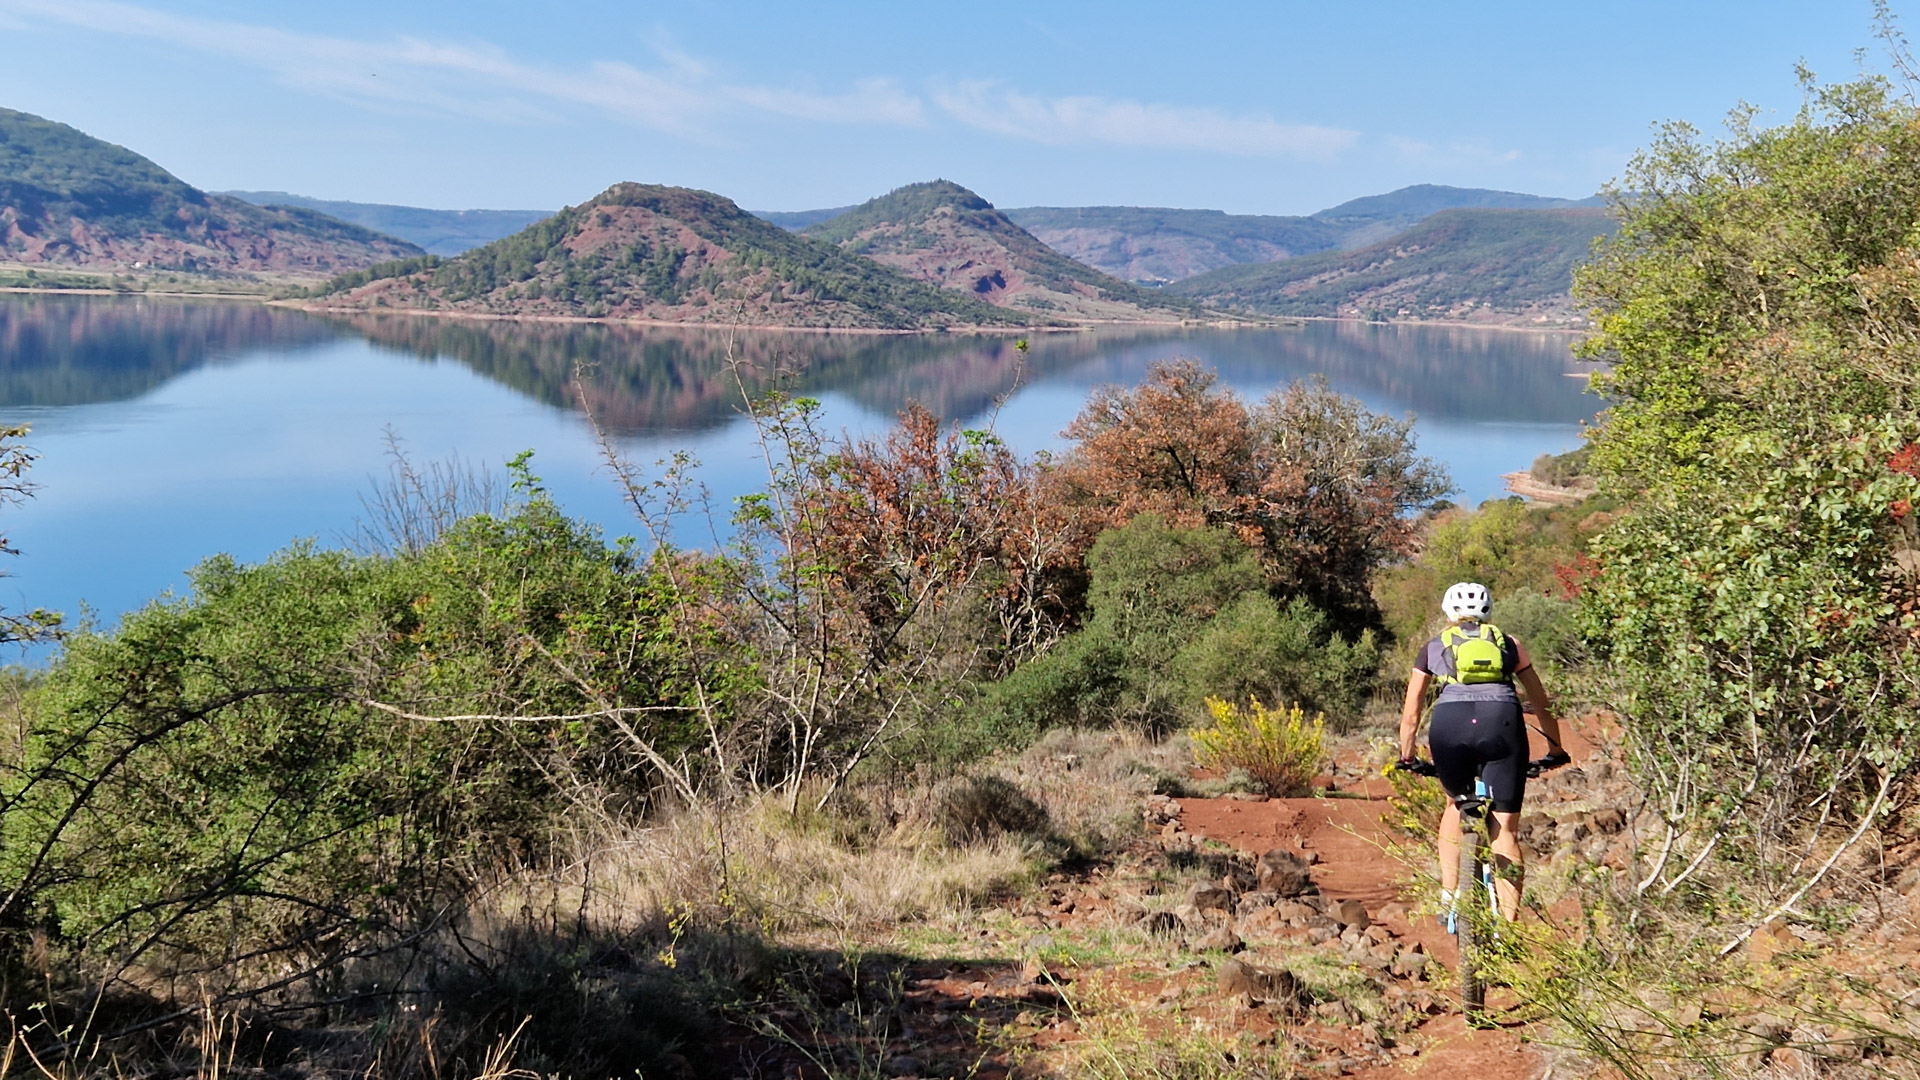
(1475, 909)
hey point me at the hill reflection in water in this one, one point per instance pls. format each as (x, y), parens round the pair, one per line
(641, 381)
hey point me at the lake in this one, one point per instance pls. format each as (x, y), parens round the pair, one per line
(171, 430)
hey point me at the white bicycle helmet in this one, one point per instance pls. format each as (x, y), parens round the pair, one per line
(1467, 600)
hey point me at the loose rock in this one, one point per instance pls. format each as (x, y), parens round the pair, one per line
(1350, 913)
(1283, 873)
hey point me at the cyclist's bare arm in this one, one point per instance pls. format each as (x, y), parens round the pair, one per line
(1410, 712)
(1537, 697)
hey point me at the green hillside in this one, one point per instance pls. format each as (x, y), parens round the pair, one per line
(673, 254)
(1456, 264)
(68, 199)
(944, 234)
(438, 232)
(1155, 245)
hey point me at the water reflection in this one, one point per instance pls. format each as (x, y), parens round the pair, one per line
(649, 380)
(78, 350)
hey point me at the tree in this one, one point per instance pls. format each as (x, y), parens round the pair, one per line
(1318, 485)
(1755, 611)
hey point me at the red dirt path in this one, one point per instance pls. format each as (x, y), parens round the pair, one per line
(1346, 832)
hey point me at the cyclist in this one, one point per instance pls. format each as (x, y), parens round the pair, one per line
(1477, 727)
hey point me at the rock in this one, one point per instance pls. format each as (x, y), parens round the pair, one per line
(1162, 923)
(1160, 810)
(1409, 963)
(1277, 985)
(1294, 909)
(1569, 832)
(1336, 1014)
(1283, 873)
(1610, 821)
(1320, 935)
(1254, 901)
(1170, 830)
(1351, 936)
(1261, 925)
(1392, 911)
(1211, 898)
(1220, 938)
(903, 1065)
(1371, 960)
(1350, 913)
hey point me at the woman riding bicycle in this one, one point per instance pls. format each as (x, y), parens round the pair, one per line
(1477, 729)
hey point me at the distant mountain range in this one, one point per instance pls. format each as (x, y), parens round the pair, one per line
(643, 251)
(1459, 265)
(437, 232)
(71, 201)
(925, 256)
(945, 235)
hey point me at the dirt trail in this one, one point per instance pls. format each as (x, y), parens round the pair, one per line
(1345, 835)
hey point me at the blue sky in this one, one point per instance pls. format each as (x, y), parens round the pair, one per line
(1277, 107)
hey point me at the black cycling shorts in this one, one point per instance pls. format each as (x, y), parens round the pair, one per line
(1487, 737)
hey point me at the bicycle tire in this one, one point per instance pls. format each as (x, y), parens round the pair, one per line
(1473, 986)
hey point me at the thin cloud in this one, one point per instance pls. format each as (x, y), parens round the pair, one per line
(680, 97)
(1090, 120)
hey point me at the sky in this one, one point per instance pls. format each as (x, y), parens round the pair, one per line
(1276, 107)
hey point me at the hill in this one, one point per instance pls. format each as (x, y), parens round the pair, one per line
(438, 232)
(1155, 245)
(1372, 218)
(645, 251)
(73, 201)
(1481, 265)
(945, 235)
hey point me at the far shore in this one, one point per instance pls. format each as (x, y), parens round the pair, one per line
(1247, 322)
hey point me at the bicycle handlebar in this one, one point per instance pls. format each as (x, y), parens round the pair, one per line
(1420, 767)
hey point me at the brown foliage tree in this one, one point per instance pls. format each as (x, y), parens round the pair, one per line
(1319, 485)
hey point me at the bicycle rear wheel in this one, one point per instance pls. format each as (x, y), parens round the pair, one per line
(1473, 986)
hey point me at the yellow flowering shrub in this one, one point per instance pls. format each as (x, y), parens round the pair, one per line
(1279, 748)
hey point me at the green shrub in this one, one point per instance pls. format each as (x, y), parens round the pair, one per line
(975, 808)
(1256, 649)
(1278, 748)
(1178, 614)
(1547, 626)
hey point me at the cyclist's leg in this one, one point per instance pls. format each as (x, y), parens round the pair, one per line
(1509, 867)
(1449, 845)
(1451, 736)
(1506, 778)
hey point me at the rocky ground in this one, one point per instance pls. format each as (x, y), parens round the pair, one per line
(1242, 936)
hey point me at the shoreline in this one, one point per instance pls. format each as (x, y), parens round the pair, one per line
(1231, 323)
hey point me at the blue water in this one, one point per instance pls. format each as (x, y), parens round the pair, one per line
(171, 431)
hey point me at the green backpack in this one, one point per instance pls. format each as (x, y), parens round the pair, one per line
(1479, 653)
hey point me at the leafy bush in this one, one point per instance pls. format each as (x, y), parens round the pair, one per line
(1547, 626)
(1177, 614)
(1257, 649)
(1277, 747)
(976, 808)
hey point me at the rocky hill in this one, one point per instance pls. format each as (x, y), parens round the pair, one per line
(643, 251)
(943, 234)
(1494, 266)
(68, 200)
(438, 232)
